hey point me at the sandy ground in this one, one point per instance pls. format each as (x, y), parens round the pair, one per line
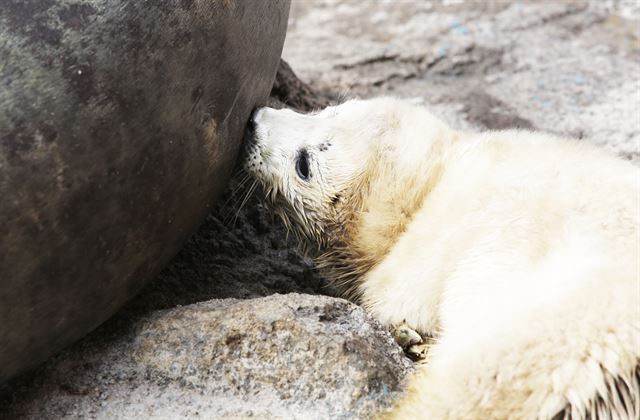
(569, 67)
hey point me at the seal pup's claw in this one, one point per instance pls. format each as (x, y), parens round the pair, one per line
(414, 345)
(418, 352)
(405, 336)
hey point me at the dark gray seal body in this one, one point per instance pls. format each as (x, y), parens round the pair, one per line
(120, 122)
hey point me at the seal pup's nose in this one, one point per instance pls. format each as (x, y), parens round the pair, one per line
(250, 130)
(251, 124)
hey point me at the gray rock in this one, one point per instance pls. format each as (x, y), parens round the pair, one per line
(283, 356)
(568, 67)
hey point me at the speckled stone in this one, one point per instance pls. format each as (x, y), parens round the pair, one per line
(283, 356)
(564, 67)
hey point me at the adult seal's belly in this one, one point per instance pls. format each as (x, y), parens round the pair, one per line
(119, 124)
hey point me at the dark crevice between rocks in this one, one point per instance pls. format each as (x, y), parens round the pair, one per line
(236, 253)
(292, 92)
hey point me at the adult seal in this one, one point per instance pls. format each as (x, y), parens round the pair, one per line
(119, 125)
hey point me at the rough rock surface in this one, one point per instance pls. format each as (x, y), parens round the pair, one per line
(283, 356)
(569, 67)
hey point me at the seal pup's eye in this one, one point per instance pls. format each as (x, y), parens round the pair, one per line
(302, 165)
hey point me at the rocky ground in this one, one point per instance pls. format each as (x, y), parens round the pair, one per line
(282, 356)
(210, 337)
(569, 67)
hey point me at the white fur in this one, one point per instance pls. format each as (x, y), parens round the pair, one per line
(518, 251)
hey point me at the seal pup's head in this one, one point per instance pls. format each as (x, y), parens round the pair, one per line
(346, 179)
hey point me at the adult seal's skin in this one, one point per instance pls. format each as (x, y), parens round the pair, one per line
(119, 124)
(498, 244)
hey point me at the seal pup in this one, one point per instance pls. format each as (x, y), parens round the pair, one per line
(518, 252)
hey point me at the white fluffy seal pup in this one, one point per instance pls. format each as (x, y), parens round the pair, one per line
(518, 252)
